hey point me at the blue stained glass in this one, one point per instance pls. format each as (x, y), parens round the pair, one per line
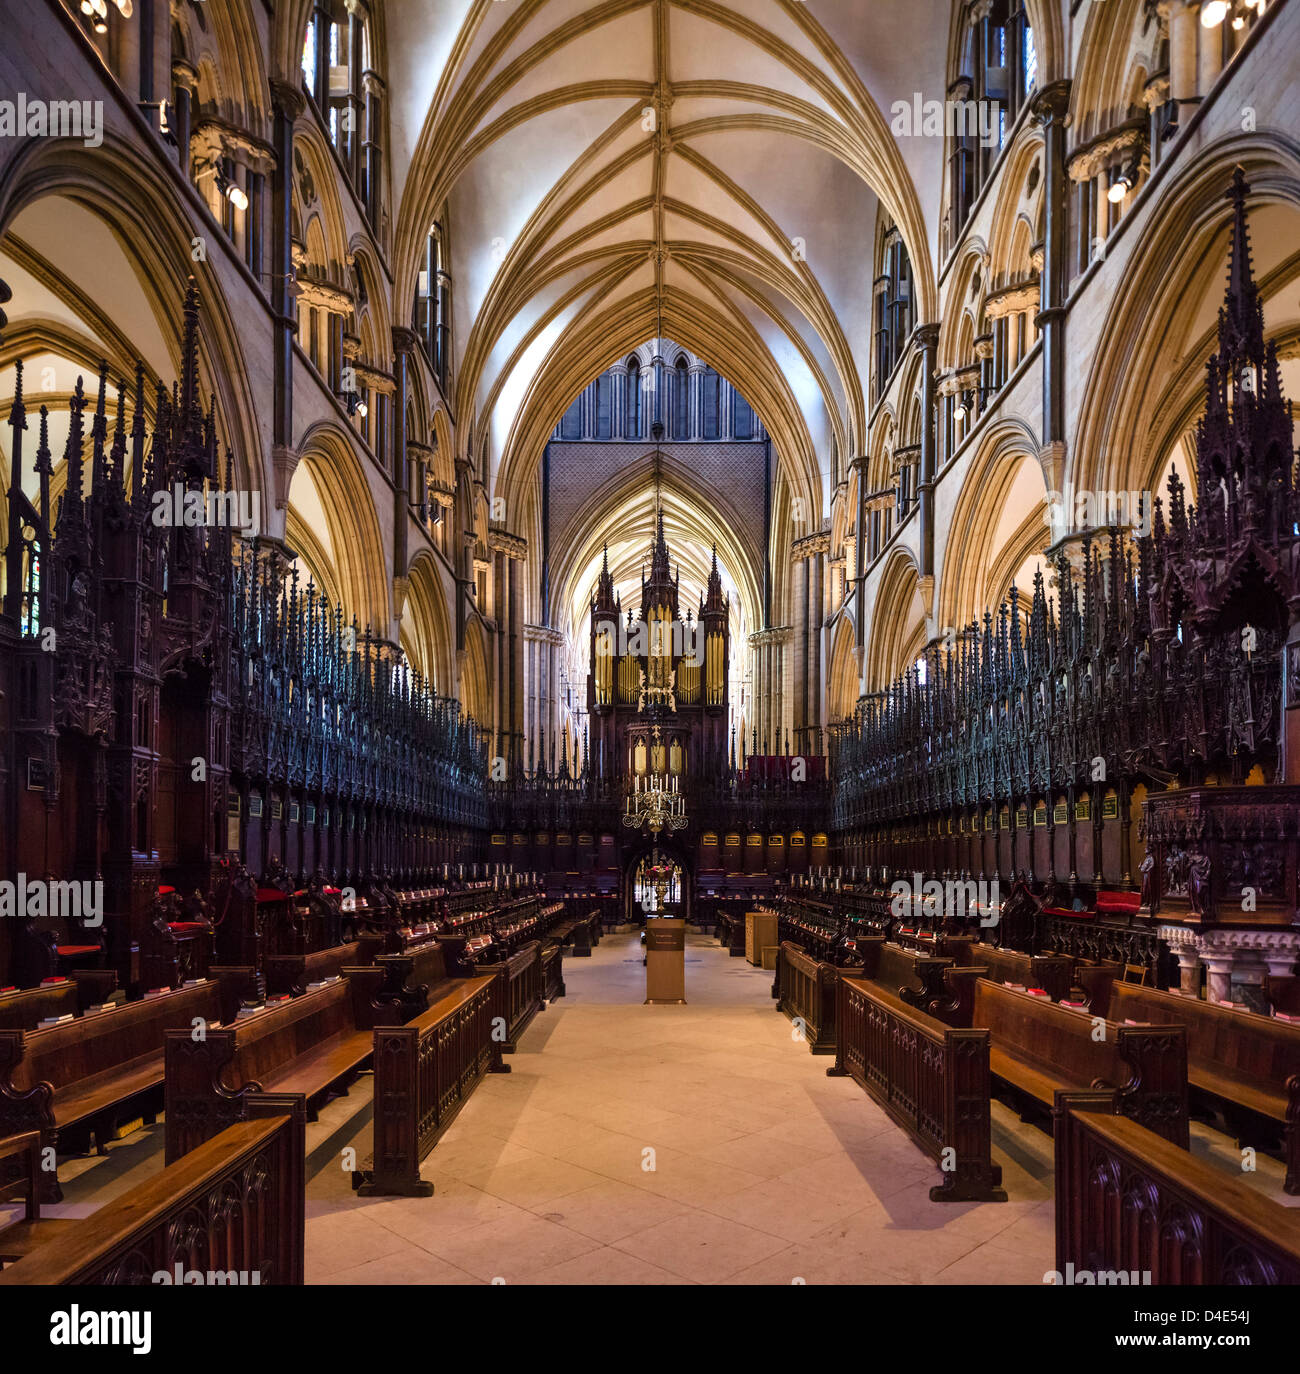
(1031, 60)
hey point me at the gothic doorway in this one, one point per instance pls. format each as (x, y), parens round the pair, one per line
(653, 868)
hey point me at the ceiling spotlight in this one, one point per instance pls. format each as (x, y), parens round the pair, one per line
(1213, 13)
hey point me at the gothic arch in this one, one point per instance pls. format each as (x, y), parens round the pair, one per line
(353, 522)
(1146, 377)
(896, 631)
(124, 189)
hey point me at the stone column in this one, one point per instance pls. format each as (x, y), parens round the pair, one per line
(695, 375)
(815, 682)
(1210, 56)
(927, 337)
(288, 103)
(799, 668)
(1050, 109)
(185, 81)
(1184, 21)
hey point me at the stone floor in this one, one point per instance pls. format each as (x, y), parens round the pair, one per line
(696, 1144)
(640, 1145)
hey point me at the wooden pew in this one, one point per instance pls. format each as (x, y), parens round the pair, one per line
(302, 1049)
(415, 979)
(1130, 1202)
(1039, 1049)
(518, 990)
(1094, 981)
(914, 978)
(424, 1074)
(85, 1077)
(21, 1156)
(931, 1078)
(552, 972)
(1245, 1064)
(1051, 972)
(292, 972)
(807, 989)
(235, 1205)
(26, 1008)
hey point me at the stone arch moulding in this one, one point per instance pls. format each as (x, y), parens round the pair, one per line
(124, 189)
(354, 523)
(1182, 251)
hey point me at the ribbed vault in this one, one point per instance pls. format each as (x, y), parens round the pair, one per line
(611, 171)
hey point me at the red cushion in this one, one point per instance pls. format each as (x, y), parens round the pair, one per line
(185, 927)
(69, 951)
(1119, 901)
(330, 891)
(46, 981)
(163, 889)
(1063, 911)
(270, 894)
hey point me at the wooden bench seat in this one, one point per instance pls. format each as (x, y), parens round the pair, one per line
(1244, 1063)
(1041, 1049)
(412, 981)
(914, 978)
(22, 1155)
(85, 1077)
(26, 1008)
(1051, 972)
(305, 1048)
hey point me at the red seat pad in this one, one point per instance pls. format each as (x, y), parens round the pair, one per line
(185, 927)
(270, 894)
(163, 890)
(70, 951)
(1119, 901)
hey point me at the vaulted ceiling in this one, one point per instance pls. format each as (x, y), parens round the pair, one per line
(705, 169)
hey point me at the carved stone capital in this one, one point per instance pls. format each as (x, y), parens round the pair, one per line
(810, 545)
(512, 545)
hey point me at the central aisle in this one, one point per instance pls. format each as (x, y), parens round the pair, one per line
(695, 1144)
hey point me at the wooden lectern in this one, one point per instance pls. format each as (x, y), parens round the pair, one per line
(665, 960)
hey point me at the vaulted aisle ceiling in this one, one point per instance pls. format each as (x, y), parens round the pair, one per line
(712, 164)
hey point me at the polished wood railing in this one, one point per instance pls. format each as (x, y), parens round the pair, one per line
(1131, 1203)
(231, 1211)
(424, 1073)
(931, 1078)
(806, 992)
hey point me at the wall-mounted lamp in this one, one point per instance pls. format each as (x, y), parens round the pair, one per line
(1121, 184)
(1213, 13)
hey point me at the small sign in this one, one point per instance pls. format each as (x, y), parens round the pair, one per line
(294, 813)
(1083, 809)
(254, 807)
(1040, 814)
(1060, 813)
(1110, 806)
(311, 813)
